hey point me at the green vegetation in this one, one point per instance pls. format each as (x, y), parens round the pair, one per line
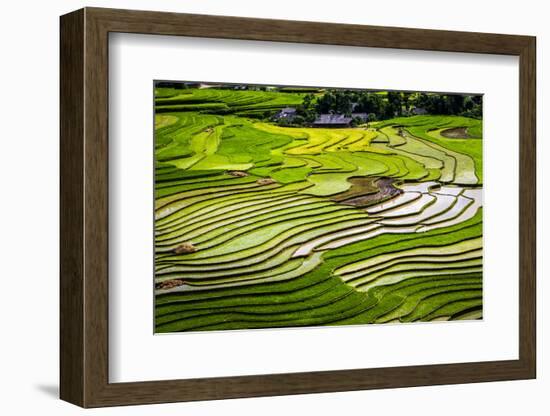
(383, 105)
(248, 103)
(267, 224)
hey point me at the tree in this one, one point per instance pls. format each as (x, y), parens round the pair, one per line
(386, 111)
(356, 121)
(472, 107)
(369, 103)
(307, 109)
(468, 103)
(455, 103)
(422, 100)
(437, 104)
(395, 102)
(308, 101)
(343, 103)
(326, 103)
(406, 101)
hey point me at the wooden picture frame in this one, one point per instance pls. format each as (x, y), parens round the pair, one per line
(84, 207)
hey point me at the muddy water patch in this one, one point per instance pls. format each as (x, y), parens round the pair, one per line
(456, 133)
(368, 191)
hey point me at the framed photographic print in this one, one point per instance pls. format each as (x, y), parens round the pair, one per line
(256, 207)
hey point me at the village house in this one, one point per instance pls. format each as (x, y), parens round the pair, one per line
(287, 113)
(338, 120)
(332, 120)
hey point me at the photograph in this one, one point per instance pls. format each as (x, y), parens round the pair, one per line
(275, 208)
(298, 206)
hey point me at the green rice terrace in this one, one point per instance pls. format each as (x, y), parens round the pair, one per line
(337, 220)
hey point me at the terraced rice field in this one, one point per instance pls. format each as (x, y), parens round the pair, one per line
(262, 226)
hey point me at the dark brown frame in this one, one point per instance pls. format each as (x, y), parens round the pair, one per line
(84, 207)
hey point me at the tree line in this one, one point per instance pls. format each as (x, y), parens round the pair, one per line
(386, 105)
